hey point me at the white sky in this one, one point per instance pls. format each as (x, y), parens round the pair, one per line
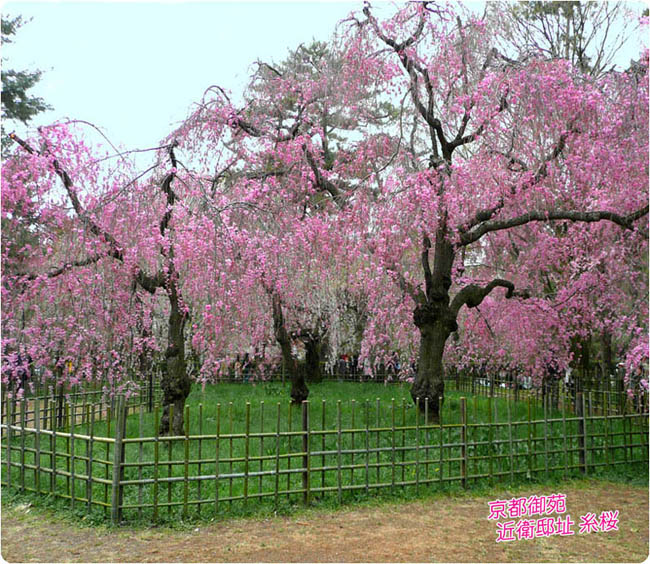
(134, 69)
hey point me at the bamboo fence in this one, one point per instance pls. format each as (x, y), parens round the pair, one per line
(96, 456)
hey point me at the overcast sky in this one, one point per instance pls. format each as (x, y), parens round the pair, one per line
(135, 68)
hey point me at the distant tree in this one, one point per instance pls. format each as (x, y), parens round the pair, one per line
(17, 103)
(589, 34)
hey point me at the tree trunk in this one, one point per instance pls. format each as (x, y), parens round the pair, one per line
(313, 355)
(435, 328)
(436, 321)
(175, 382)
(299, 391)
(608, 363)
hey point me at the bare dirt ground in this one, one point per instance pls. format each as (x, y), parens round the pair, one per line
(439, 529)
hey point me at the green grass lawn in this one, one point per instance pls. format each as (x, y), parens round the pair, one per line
(365, 440)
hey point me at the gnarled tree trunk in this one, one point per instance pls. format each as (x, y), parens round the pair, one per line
(176, 384)
(435, 326)
(313, 354)
(435, 321)
(299, 391)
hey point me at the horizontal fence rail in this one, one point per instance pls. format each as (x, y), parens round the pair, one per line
(112, 459)
(559, 395)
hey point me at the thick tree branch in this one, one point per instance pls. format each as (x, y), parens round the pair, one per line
(428, 278)
(65, 267)
(541, 173)
(322, 183)
(166, 187)
(472, 295)
(625, 221)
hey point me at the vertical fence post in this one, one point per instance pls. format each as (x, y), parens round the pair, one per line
(353, 405)
(306, 463)
(491, 438)
(585, 415)
(530, 440)
(624, 426)
(377, 439)
(140, 454)
(10, 422)
(403, 438)
(247, 451)
(510, 443)
(546, 455)
(156, 458)
(426, 438)
(90, 455)
(417, 445)
(277, 454)
(606, 409)
(392, 466)
(441, 437)
(230, 451)
(260, 482)
(367, 404)
(22, 444)
(186, 462)
(582, 443)
(53, 449)
(106, 456)
(289, 425)
(216, 461)
(564, 442)
(66, 423)
(116, 488)
(339, 462)
(463, 440)
(71, 452)
(37, 445)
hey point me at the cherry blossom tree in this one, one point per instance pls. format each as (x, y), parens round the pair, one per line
(143, 224)
(497, 147)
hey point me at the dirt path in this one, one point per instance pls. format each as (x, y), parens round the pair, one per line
(440, 529)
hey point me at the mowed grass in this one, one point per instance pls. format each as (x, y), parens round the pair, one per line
(365, 440)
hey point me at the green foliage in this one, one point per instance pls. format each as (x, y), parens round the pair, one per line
(17, 103)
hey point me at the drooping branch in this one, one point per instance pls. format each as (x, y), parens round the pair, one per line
(115, 249)
(473, 294)
(64, 267)
(416, 293)
(625, 221)
(147, 282)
